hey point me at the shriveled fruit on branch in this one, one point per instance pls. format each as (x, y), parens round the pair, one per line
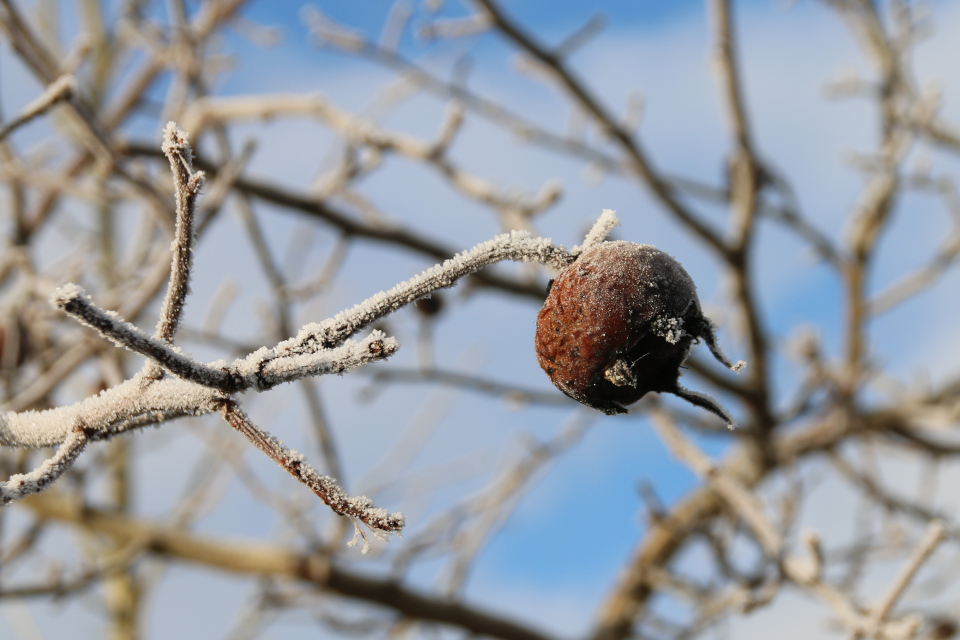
(618, 323)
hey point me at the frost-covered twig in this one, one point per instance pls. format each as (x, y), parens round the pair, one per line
(24, 484)
(60, 89)
(196, 388)
(187, 185)
(288, 361)
(358, 508)
(606, 223)
(129, 405)
(263, 369)
(74, 301)
(519, 246)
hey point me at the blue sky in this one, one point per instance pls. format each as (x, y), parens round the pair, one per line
(557, 557)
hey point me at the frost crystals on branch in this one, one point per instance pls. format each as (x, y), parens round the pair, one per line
(173, 384)
(607, 222)
(187, 184)
(357, 509)
(23, 484)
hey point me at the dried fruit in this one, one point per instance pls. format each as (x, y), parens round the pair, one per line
(619, 322)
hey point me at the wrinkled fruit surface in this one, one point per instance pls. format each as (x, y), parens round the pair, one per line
(618, 323)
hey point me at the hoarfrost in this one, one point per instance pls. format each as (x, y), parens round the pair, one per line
(21, 485)
(670, 329)
(606, 223)
(196, 388)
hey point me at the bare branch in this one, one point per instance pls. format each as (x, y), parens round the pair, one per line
(187, 187)
(733, 491)
(360, 132)
(74, 301)
(606, 223)
(259, 559)
(60, 89)
(361, 508)
(401, 236)
(640, 163)
(22, 485)
(924, 549)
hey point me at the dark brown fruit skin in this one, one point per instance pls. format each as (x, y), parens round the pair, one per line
(618, 323)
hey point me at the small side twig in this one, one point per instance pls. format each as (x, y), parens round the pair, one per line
(63, 88)
(74, 301)
(518, 246)
(359, 508)
(607, 222)
(263, 369)
(187, 185)
(733, 492)
(23, 484)
(934, 535)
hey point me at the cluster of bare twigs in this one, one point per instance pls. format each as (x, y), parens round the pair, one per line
(200, 388)
(65, 388)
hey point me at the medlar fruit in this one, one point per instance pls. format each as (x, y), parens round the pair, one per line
(618, 323)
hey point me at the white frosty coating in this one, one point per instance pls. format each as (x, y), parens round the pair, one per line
(326, 488)
(263, 369)
(21, 485)
(73, 300)
(131, 404)
(670, 329)
(176, 141)
(176, 147)
(318, 349)
(266, 368)
(606, 223)
(516, 245)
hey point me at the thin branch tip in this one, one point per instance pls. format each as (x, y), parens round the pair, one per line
(175, 139)
(187, 182)
(607, 222)
(65, 294)
(359, 508)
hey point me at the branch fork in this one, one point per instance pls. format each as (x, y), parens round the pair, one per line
(172, 384)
